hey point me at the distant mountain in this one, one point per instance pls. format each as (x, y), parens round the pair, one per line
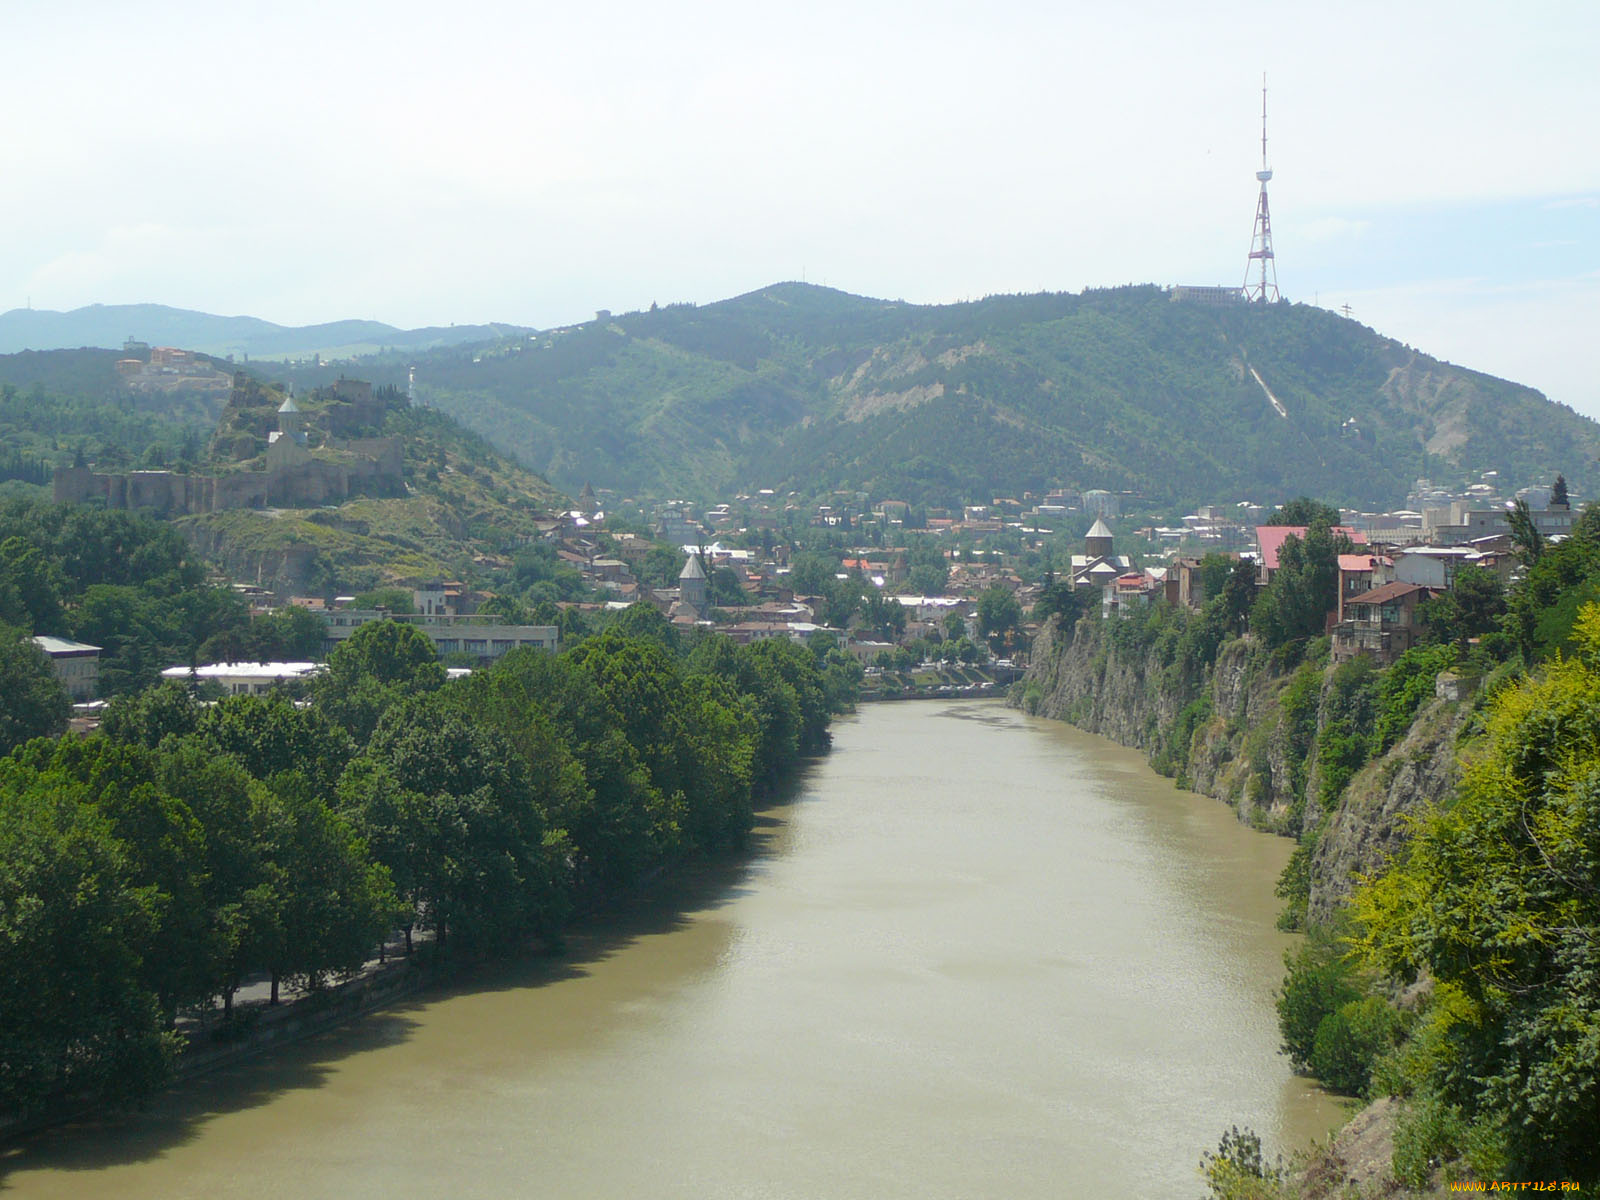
(110, 325)
(805, 388)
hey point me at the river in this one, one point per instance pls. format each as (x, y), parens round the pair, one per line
(975, 955)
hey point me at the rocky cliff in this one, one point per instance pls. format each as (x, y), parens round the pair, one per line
(1248, 730)
(1371, 821)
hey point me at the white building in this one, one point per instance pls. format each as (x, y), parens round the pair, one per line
(450, 634)
(245, 678)
(76, 664)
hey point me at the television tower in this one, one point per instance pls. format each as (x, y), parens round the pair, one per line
(1265, 286)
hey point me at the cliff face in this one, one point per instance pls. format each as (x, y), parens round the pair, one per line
(1233, 732)
(1370, 823)
(1135, 699)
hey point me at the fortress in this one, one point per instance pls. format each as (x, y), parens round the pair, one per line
(291, 475)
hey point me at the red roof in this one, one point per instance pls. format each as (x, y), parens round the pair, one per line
(1271, 538)
(1360, 562)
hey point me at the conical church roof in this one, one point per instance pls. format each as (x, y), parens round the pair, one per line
(692, 569)
(1098, 529)
(289, 406)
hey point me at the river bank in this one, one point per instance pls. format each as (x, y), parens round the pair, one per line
(976, 952)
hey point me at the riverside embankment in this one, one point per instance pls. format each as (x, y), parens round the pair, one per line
(976, 954)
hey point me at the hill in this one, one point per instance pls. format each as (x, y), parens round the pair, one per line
(444, 502)
(805, 388)
(110, 325)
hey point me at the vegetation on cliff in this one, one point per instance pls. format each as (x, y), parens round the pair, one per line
(1460, 976)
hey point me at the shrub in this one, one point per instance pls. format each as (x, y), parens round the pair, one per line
(1350, 1040)
(1319, 981)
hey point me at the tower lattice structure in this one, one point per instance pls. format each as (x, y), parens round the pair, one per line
(1261, 270)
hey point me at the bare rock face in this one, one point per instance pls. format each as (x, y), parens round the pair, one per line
(1372, 820)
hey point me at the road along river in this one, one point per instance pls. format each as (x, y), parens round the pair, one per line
(975, 955)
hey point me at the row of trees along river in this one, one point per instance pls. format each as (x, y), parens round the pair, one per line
(156, 865)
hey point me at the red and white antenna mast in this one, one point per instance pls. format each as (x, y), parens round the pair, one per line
(1265, 284)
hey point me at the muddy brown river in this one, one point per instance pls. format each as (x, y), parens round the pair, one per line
(974, 955)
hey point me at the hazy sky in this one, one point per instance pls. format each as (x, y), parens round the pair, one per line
(425, 163)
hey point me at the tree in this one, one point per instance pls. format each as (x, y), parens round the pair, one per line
(31, 585)
(1526, 540)
(78, 1016)
(32, 701)
(1472, 607)
(660, 566)
(999, 616)
(1558, 494)
(1303, 510)
(481, 864)
(1058, 599)
(1296, 603)
(395, 600)
(292, 634)
(165, 848)
(724, 588)
(331, 904)
(270, 735)
(372, 669)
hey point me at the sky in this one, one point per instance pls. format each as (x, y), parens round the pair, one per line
(1435, 164)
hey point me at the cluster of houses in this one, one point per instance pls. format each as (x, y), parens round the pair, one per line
(1392, 569)
(1375, 609)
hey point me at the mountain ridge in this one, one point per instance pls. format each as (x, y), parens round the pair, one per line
(108, 326)
(800, 387)
(797, 387)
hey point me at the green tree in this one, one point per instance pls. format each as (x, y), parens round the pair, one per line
(372, 669)
(1296, 604)
(1526, 539)
(1474, 606)
(165, 849)
(1303, 510)
(330, 904)
(999, 617)
(78, 1015)
(271, 735)
(396, 600)
(481, 864)
(31, 585)
(146, 717)
(291, 634)
(32, 701)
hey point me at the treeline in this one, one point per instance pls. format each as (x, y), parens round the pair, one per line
(185, 848)
(133, 587)
(41, 429)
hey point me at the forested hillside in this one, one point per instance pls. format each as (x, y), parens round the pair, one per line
(802, 387)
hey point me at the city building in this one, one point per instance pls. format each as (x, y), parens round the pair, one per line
(76, 664)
